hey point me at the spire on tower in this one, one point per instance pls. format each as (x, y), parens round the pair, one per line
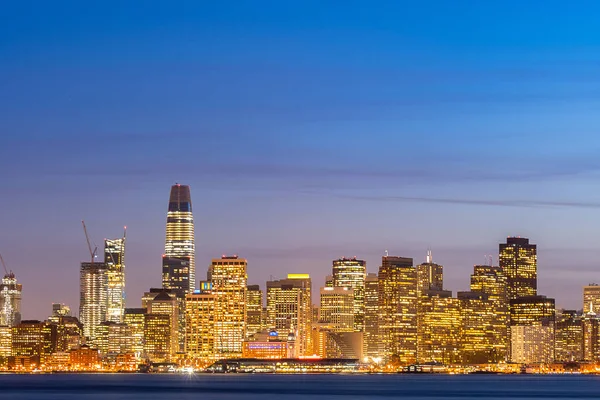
(429, 256)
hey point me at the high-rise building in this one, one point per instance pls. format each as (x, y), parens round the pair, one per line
(289, 309)
(518, 260)
(158, 342)
(149, 296)
(134, 318)
(491, 281)
(351, 273)
(10, 300)
(254, 307)
(532, 323)
(178, 267)
(93, 296)
(371, 316)
(228, 279)
(398, 309)
(430, 276)
(166, 303)
(439, 327)
(569, 336)
(114, 259)
(590, 328)
(113, 338)
(337, 308)
(591, 295)
(33, 339)
(200, 340)
(5, 343)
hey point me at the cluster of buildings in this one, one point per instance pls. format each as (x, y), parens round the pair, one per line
(397, 317)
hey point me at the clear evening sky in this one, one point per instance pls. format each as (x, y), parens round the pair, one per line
(307, 131)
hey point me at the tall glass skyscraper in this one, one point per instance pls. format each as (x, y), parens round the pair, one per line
(93, 283)
(351, 273)
(10, 300)
(114, 259)
(518, 260)
(178, 267)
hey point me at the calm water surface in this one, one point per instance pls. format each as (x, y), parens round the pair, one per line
(267, 387)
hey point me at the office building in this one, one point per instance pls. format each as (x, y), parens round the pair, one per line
(114, 259)
(158, 341)
(254, 310)
(228, 279)
(351, 273)
(337, 308)
(5, 343)
(200, 335)
(430, 276)
(518, 260)
(591, 295)
(568, 340)
(134, 318)
(113, 338)
(10, 300)
(398, 309)
(61, 310)
(491, 281)
(93, 297)
(371, 337)
(34, 339)
(289, 309)
(165, 303)
(534, 317)
(178, 267)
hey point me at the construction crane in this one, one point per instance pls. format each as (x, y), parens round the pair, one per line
(4, 265)
(87, 238)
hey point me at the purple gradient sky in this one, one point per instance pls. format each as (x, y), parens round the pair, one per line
(306, 133)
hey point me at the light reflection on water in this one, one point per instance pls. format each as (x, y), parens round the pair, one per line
(266, 387)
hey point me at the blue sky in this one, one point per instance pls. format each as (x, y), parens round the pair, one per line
(307, 131)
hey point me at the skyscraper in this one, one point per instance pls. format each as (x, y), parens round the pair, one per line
(337, 308)
(591, 295)
(430, 276)
(372, 315)
(351, 273)
(10, 300)
(178, 266)
(228, 279)
(114, 258)
(398, 309)
(93, 296)
(289, 309)
(254, 310)
(532, 321)
(518, 260)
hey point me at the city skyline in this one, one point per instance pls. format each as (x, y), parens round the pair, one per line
(307, 133)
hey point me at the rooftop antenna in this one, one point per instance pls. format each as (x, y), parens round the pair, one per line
(386, 253)
(87, 238)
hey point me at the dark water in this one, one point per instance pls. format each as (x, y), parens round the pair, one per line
(267, 387)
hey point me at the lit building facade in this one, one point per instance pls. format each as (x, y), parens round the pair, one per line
(371, 336)
(228, 278)
(113, 338)
(93, 297)
(591, 348)
(5, 343)
(351, 273)
(61, 310)
(518, 260)
(200, 343)
(158, 342)
(430, 276)
(33, 339)
(166, 303)
(10, 300)
(179, 271)
(398, 309)
(289, 309)
(134, 318)
(114, 259)
(337, 308)
(568, 340)
(440, 328)
(254, 310)
(534, 317)
(591, 295)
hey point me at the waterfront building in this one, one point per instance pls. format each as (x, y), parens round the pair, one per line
(430, 276)
(5, 343)
(113, 338)
(149, 296)
(591, 295)
(178, 267)
(93, 297)
(10, 300)
(371, 337)
(591, 348)
(114, 259)
(532, 323)
(34, 339)
(289, 309)
(398, 309)
(200, 340)
(330, 343)
(266, 345)
(69, 333)
(228, 279)
(569, 336)
(518, 260)
(158, 342)
(134, 318)
(351, 273)
(165, 303)
(84, 358)
(254, 310)
(439, 328)
(337, 308)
